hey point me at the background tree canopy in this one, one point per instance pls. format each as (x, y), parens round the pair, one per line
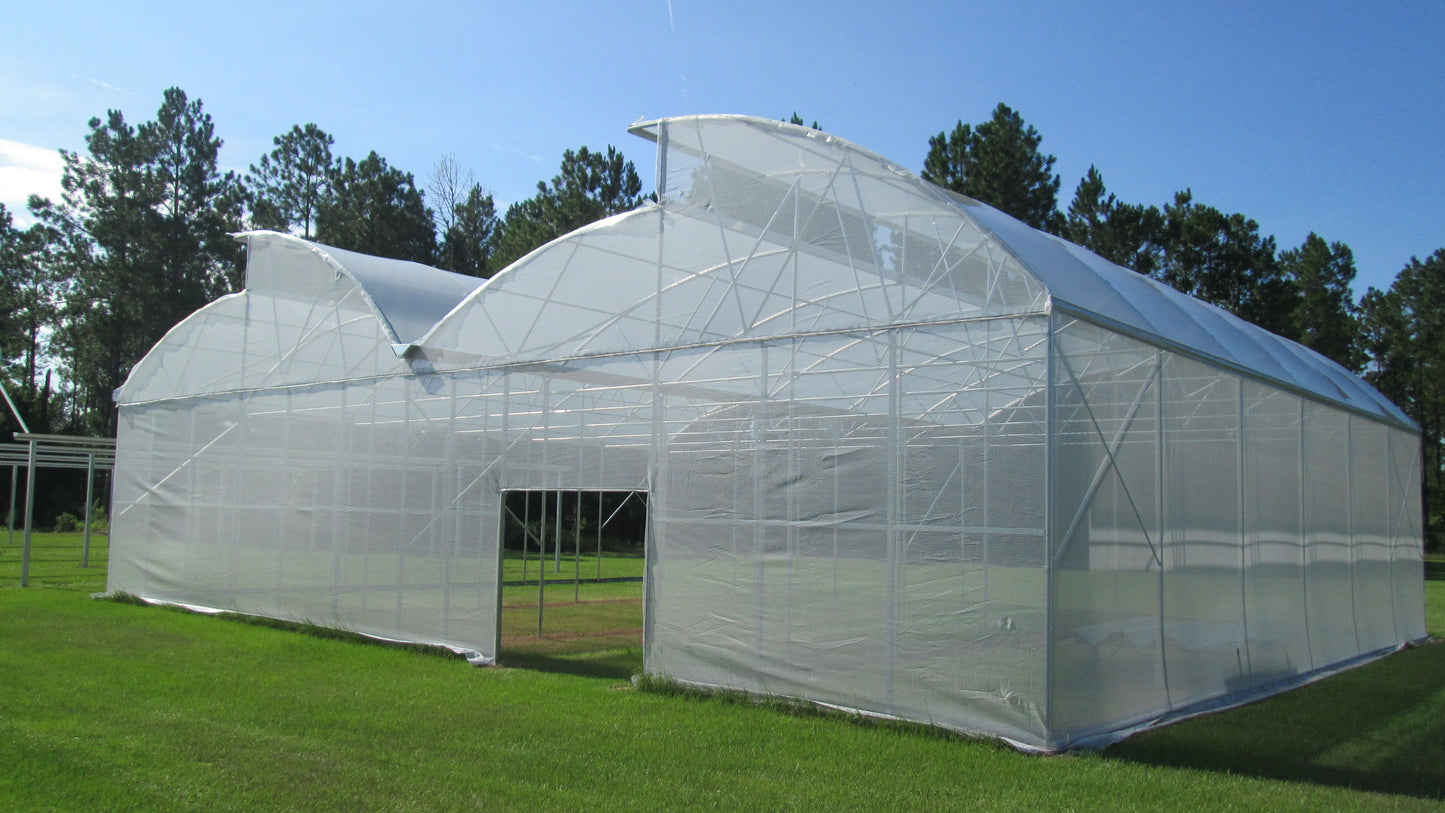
(998, 162)
(290, 185)
(138, 241)
(376, 209)
(591, 186)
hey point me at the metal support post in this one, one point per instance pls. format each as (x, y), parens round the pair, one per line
(526, 530)
(557, 537)
(542, 566)
(89, 495)
(10, 517)
(29, 514)
(577, 560)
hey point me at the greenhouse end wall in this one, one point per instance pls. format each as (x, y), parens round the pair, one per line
(351, 506)
(1214, 537)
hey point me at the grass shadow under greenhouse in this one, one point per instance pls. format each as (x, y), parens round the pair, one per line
(614, 664)
(1379, 728)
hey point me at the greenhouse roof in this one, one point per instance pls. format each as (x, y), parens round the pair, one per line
(1078, 281)
(763, 230)
(1083, 283)
(408, 297)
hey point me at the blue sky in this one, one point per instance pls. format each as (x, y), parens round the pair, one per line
(1323, 116)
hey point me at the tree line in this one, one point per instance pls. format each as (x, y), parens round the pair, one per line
(139, 239)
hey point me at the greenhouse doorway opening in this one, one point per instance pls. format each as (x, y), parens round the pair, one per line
(572, 567)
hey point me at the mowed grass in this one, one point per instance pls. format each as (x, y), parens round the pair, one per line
(586, 627)
(591, 629)
(54, 560)
(589, 565)
(112, 706)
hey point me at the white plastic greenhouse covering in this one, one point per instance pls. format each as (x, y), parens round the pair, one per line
(904, 455)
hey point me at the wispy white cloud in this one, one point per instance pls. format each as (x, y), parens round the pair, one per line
(101, 83)
(669, 17)
(513, 150)
(26, 170)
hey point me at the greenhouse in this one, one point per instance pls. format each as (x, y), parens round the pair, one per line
(902, 454)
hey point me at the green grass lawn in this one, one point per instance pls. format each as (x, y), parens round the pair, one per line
(587, 628)
(589, 565)
(112, 706)
(54, 560)
(595, 624)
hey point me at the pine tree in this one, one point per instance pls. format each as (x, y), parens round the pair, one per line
(27, 302)
(1122, 233)
(469, 241)
(591, 186)
(139, 240)
(998, 162)
(290, 185)
(1223, 259)
(466, 219)
(798, 120)
(376, 209)
(1325, 317)
(200, 207)
(14, 267)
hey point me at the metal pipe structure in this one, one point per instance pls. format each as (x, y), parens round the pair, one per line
(10, 515)
(13, 410)
(526, 530)
(557, 538)
(542, 566)
(577, 559)
(29, 510)
(89, 496)
(36, 450)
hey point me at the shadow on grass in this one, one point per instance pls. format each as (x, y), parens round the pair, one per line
(1435, 570)
(614, 664)
(1379, 728)
(297, 627)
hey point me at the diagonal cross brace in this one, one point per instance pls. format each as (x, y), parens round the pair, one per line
(1111, 449)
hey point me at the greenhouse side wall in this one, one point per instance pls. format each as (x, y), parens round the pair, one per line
(860, 523)
(1215, 538)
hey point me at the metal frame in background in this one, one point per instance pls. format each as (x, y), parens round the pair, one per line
(54, 452)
